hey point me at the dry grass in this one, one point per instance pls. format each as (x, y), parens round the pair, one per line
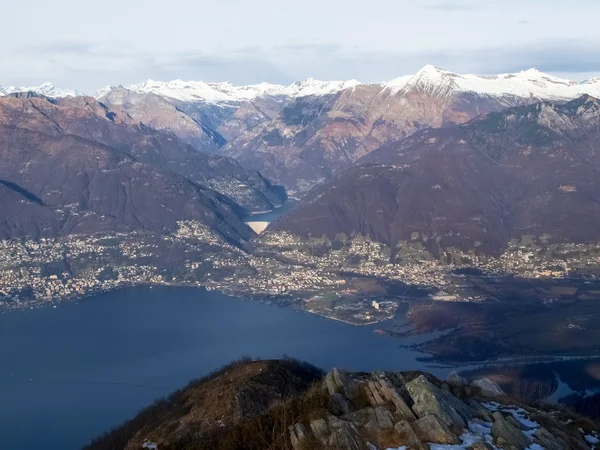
(214, 405)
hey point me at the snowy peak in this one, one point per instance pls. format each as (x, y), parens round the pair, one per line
(45, 89)
(226, 93)
(434, 81)
(199, 91)
(595, 80)
(310, 86)
(527, 83)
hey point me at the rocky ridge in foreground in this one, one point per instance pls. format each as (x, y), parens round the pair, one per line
(293, 406)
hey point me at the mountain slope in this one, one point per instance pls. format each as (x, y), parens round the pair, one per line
(58, 185)
(528, 170)
(316, 137)
(92, 120)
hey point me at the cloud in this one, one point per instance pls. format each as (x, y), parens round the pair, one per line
(451, 6)
(64, 47)
(89, 66)
(523, 22)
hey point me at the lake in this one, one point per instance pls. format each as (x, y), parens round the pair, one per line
(70, 373)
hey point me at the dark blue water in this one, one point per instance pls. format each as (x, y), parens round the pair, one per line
(70, 373)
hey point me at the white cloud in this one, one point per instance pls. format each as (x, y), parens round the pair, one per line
(75, 44)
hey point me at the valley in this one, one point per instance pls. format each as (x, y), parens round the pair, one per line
(459, 245)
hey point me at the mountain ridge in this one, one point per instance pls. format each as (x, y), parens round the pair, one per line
(290, 405)
(526, 170)
(539, 83)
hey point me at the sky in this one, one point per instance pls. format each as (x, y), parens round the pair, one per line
(88, 45)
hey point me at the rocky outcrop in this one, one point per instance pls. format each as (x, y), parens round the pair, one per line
(508, 436)
(429, 399)
(381, 392)
(337, 381)
(419, 412)
(431, 429)
(312, 419)
(488, 388)
(455, 379)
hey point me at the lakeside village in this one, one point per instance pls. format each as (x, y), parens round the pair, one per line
(341, 283)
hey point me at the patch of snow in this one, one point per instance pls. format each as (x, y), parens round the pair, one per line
(45, 89)
(593, 440)
(520, 415)
(150, 445)
(223, 93)
(481, 429)
(525, 84)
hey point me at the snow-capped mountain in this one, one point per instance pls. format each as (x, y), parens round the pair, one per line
(527, 83)
(430, 79)
(310, 140)
(45, 89)
(227, 93)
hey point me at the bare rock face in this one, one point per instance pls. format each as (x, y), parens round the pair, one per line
(320, 430)
(429, 399)
(163, 114)
(381, 392)
(298, 435)
(344, 435)
(337, 381)
(373, 418)
(547, 440)
(408, 436)
(432, 429)
(508, 436)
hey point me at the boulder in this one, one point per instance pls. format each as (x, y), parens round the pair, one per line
(338, 381)
(408, 437)
(481, 412)
(429, 399)
(378, 418)
(547, 439)
(488, 388)
(497, 415)
(340, 402)
(508, 436)
(381, 391)
(455, 379)
(320, 429)
(344, 435)
(516, 424)
(297, 435)
(431, 429)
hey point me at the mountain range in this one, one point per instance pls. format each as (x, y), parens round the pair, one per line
(72, 165)
(334, 142)
(301, 135)
(530, 170)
